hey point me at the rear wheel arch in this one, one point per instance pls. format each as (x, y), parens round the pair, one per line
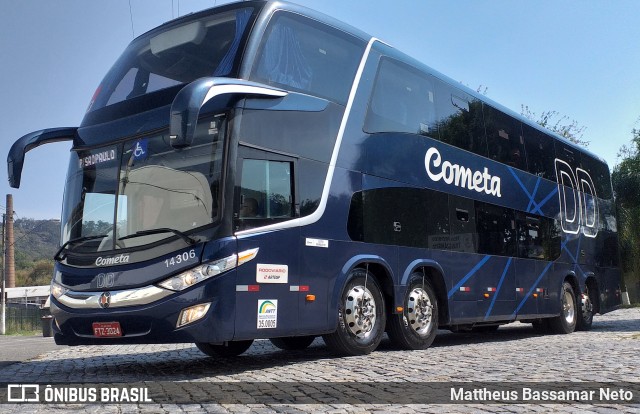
(594, 292)
(434, 273)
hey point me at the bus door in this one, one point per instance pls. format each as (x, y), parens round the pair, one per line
(266, 304)
(465, 269)
(496, 230)
(532, 266)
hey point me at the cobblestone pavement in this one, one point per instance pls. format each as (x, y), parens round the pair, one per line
(608, 353)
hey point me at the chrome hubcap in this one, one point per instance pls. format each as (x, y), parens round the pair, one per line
(360, 312)
(568, 309)
(419, 312)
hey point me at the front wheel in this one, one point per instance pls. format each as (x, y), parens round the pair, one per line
(228, 349)
(566, 322)
(361, 317)
(417, 326)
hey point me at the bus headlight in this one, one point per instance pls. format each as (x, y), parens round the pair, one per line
(200, 273)
(57, 290)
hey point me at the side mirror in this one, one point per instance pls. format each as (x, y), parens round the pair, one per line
(186, 106)
(15, 159)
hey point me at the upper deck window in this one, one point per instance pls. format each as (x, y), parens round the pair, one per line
(180, 54)
(402, 101)
(301, 54)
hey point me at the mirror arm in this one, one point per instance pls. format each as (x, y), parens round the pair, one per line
(15, 159)
(186, 106)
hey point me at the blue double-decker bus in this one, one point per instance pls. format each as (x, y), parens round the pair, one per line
(259, 170)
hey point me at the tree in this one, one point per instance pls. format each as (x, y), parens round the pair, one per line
(37, 275)
(626, 186)
(560, 124)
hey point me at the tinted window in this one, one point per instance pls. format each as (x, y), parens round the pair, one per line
(402, 101)
(496, 230)
(540, 153)
(538, 237)
(504, 138)
(463, 225)
(568, 154)
(179, 54)
(423, 220)
(300, 54)
(599, 173)
(459, 119)
(311, 176)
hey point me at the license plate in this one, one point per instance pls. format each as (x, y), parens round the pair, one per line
(107, 329)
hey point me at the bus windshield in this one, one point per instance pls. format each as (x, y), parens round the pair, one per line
(178, 55)
(141, 185)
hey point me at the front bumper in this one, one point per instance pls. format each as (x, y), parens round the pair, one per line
(147, 315)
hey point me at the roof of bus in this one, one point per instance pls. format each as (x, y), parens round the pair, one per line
(269, 6)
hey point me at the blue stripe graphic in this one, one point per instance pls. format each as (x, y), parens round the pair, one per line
(535, 285)
(495, 296)
(468, 275)
(533, 207)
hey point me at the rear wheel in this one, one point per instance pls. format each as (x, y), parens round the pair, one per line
(361, 317)
(566, 322)
(417, 326)
(293, 343)
(585, 316)
(228, 349)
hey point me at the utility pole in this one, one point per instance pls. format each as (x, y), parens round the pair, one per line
(9, 246)
(3, 306)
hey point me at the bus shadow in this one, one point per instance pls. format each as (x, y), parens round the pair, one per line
(620, 325)
(188, 363)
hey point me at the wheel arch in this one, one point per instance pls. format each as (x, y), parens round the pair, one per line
(435, 273)
(591, 282)
(376, 265)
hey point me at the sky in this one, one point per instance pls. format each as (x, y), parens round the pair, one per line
(580, 58)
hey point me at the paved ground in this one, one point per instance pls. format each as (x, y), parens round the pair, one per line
(14, 349)
(608, 353)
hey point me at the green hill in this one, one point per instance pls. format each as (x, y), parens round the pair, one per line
(36, 241)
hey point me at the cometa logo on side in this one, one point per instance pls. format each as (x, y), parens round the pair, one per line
(459, 175)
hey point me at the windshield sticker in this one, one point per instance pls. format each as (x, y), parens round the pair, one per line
(99, 158)
(267, 313)
(140, 150)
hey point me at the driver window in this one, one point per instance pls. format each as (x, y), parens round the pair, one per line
(265, 190)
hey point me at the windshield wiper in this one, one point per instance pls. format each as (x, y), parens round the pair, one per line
(57, 256)
(178, 233)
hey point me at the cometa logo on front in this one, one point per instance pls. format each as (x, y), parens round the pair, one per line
(108, 261)
(459, 175)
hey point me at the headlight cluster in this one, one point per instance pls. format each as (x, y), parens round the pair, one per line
(57, 290)
(198, 274)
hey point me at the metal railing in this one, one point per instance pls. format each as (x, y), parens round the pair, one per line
(21, 319)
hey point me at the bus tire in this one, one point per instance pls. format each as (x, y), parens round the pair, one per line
(565, 323)
(585, 314)
(226, 350)
(417, 326)
(361, 317)
(293, 343)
